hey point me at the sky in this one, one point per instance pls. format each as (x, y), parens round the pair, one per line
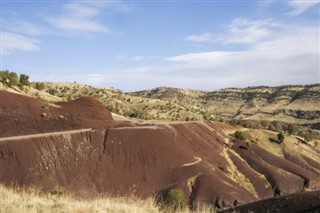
(136, 45)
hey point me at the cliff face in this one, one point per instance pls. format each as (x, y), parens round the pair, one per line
(147, 159)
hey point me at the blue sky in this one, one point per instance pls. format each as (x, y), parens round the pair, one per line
(135, 45)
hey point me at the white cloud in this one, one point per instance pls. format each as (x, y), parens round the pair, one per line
(240, 31)
(24, 27)
(204, 37)
(79, 18)
(14, 41)
(286, 55)
(300, 7)
(246, 31)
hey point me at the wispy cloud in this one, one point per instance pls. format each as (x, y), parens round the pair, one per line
(240, 30)
(300, 6)
(269, 58)
(24, 27)
(136, 58)
(14, 41)
(79, 18)
(247, 31)
(204, 37)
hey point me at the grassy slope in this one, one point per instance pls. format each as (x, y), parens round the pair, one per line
(32, 201)
(295, 104)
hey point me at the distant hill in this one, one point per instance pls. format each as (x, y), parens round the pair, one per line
(295, 104)
(291, 104)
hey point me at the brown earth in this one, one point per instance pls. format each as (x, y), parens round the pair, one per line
(21, 115)
(307, 202)
(140, 158)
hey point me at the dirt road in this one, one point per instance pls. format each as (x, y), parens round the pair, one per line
(20, 137)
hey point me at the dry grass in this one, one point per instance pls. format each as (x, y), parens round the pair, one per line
(32, 201)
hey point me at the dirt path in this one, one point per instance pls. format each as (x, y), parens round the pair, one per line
(198, 160)
(43, 134)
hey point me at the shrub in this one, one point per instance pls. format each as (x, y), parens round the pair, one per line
(239, 135)
(291, 129)
(39, 85)
(175, 200)
(281, 137)
(24, 80)
(69, 98)
(58, 191)
(52, 91)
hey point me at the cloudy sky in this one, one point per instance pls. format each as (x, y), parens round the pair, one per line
(135, 45)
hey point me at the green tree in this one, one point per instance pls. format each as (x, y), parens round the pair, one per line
(52, 91)
(39, 85)
(13, 79)
(291, 129)
(24, 80)
(239, 135)
(281, 137)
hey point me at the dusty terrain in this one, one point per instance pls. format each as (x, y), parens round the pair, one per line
(132, 157)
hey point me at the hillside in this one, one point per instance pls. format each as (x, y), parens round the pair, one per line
(147, 159)
(289, 104)
(293, 104)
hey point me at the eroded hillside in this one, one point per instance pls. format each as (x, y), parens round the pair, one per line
(141, 158)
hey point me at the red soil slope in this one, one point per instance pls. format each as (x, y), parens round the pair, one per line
(141, 159)
(21, 115)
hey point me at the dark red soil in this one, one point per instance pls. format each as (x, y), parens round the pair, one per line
(306, 202)
(126, 158)
(22, 115)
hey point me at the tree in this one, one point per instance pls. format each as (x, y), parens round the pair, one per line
(4, 75)
(281, 137)
(291, 129)
(24, 80)
(239, 135)
(13, 79)
(39, 85)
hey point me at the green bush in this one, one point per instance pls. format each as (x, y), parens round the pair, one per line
(39, 86)
(24, 80)
(281, 137)
(175, 200)
(52, 91)
(239, 135)
(291, 129)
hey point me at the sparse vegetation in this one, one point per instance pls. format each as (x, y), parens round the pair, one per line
(239, 135)
(52, 91)
(39, 86)
(291, 129)
(33, 201)
(58, 191)
(175, 200)
(280, 137)
(24, 80)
